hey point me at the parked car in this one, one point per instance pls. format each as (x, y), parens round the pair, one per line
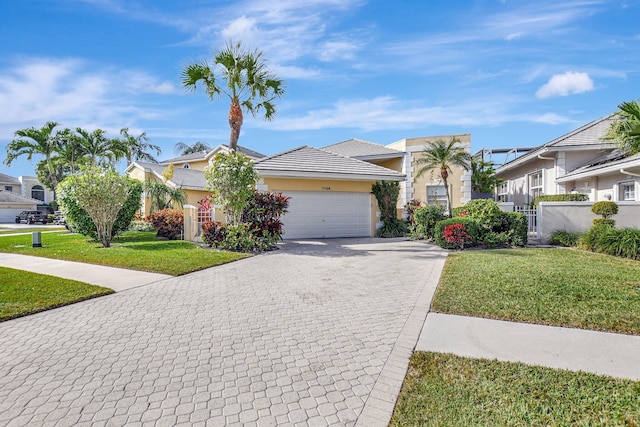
(30, 217)
(59, 218)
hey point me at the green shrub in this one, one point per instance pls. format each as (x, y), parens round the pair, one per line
(608, 240)
(605, 222)
(470, 227)
(485, 212)
(564, 238)
(393, 228)
(561, 198)
(168, 223)
(493, 240)
(459, 211)
(424, 221)
(605, 209)
(516, 226)
(79, 220)
(141, 225)
(386, 193)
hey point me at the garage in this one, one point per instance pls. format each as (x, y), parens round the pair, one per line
(12, 204)
(318, 215)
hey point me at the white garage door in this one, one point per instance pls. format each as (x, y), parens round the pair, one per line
(326, 215)
(9, 214)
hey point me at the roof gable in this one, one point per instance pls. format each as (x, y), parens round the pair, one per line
(313, 162)
(359, 148)
(9, 197)
(205, 155)
(184, 178)
(8, 179)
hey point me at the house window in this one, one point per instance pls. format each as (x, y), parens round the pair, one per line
(535, 185)
(503, 192)
(8, 188)
(628, 191)
(186, 166)
(436, 195)
(37, 192)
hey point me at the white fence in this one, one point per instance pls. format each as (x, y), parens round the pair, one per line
(532, 217)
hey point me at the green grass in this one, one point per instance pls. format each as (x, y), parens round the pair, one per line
(559, 287)
(43, 229)
(446, 390)
(23, 293)
(134, 250)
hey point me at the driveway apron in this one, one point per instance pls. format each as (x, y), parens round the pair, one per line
(317, 333)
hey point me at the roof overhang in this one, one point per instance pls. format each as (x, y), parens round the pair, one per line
(385, 156)
(333, 176)
(607, 170)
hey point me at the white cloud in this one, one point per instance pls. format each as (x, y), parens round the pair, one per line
(71, 92)
(565, 84)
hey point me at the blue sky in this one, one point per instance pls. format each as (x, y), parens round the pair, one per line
(511, 73)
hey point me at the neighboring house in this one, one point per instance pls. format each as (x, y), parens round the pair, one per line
(402, 156)
(578, 162)
(330, 188)
(11, 204)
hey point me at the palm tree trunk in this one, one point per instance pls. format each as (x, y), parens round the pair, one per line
(235, 123)
(445, 174)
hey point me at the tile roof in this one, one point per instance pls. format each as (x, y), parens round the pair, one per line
(359, 148)
(8, 179)
(203, 155)
(9, 197)
(313, 162)
(185, 178)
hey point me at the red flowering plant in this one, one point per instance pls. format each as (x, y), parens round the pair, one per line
(456, 235)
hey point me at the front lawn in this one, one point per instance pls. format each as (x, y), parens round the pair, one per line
(561, 287)
(447, 390)
(133, 250)
(23, 293)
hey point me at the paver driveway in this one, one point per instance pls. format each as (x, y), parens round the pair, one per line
(315, 334)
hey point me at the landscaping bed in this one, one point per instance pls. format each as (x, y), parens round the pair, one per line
(447, 390)
(560, 287)
(134, 250)
(23, 293)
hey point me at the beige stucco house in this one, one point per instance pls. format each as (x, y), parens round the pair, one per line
(577, 162)
(329, 188)
(19, 194)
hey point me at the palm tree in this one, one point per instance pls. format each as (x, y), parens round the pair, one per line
(443, 155)
(97, 147)
(70, 150)
(625, 131)
(164, 196)
(483, 176)
(246, 83)
(185, 149)
(35, 141)
(137, 148)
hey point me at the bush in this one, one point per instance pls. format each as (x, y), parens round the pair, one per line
(608, 240)
(141, 224)
(561, 198)
(605, 209)
(459, 211)
(213, 233)
(515, 225)
(485, 212)
(564, 238)
(386, 193)
(608, 222)
(393, 228)
(411, 207)
(424, 221)
(470, 228)
(79, 220)
(168, 223)
(493, 239)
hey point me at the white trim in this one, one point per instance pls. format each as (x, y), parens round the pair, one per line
(320, 175)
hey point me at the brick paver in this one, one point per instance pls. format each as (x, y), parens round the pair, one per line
(315, 334)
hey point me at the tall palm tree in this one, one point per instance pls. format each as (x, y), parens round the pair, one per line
(98, 148)
(137, 148)
(245, 81)
(70, 150)
(183, 149)
(32, 141)
(443, 155)
(625, 131)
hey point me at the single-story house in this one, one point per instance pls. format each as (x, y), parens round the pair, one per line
(577, 162)
(11, 204)
(330, 188)
(20, 194)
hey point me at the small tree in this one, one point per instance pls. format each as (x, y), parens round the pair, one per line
(386, 193)
(606, 209)
(232, 180)
(101, 193)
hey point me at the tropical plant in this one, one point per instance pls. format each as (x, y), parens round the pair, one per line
(183, 149)
(232, 179)
(70, 150)
(60, 170)
(137, 148)
(32, 141)
(625, 130)
(245, 81)
(99, 149)
(605, 208)
(483, 176)
(442, 155)
(386, 193)
(169, 223)
(164, 196)
(425, 220)
(453, 238)
(101, 193)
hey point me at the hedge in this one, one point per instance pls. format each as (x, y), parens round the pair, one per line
(470, 225)
(571, 197)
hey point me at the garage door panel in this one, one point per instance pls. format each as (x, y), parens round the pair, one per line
(326, 215)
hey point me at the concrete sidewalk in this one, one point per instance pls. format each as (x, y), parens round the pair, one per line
(117, 279)
(602, 353)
